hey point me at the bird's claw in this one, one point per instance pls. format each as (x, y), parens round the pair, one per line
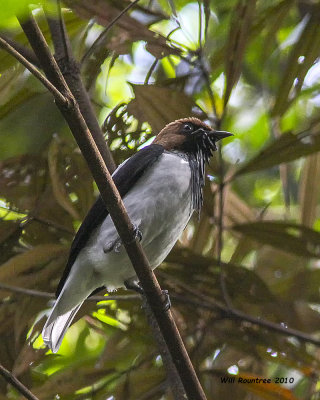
(116, 245)
(137, 233)
(133, 285)
(165, 298)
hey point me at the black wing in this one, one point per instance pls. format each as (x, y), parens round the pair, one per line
(124, 179)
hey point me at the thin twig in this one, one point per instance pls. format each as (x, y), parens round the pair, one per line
(105, 31)
(116, 376)
(196, 299)
(57, 95)
(47, 295)
(153, 66)
(46, 59)
(200, 26)
(51, 224)
(7, 375)
(59, 37)
(202, 301)
(173, 377)
(206, 77)
(31, 217)
(220, 186)
(65, 41)
(27, 53)
(71, 72)
(222, 275)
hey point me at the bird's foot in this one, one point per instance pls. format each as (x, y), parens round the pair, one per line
(137, 234)
(133, 285)
(111, 246)
(166, 302)
(165, 298)
(116, 244)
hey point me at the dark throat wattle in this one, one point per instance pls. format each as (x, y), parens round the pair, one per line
(201, 155)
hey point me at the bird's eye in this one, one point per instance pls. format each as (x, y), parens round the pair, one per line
(187, 128)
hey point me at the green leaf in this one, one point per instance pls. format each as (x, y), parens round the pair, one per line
(237, 42)
(31, 259)
(308, 190)
(293, 238)
(21, 128)
(58, 185)
(9, 9)
(288, 147)
(158, 106)
(301, 58)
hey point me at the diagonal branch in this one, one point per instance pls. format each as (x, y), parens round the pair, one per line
(173, 377)
(27, 53)
(47, 295)
(71, 72)
(47, 61)
(57, 95)
(120, 218)
(105, 31)
(195, 299)
(7, 375)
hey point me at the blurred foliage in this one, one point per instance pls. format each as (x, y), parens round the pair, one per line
(253, 68)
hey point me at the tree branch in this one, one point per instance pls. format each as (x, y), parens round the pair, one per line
(222, 275)
(196, 299)
(38, 293)
(202, 301)
(105, 31)
(173, 378)
(27, 53)
(57, 95)
(71, 71)
(221, 184)
(42, 51)
(7, 375)
(120, 218)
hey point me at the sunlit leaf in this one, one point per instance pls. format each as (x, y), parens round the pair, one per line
(10, 9)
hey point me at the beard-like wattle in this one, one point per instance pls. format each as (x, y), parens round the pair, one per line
(202, 152)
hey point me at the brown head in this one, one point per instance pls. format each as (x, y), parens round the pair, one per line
(189, 135)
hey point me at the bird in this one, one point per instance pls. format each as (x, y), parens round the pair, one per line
(161, 186)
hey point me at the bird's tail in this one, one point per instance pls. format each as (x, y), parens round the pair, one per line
(57, 325)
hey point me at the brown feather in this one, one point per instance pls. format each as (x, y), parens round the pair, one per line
(171, 138)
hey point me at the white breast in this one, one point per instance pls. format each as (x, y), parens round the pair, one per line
(164, 194)
(160, 205)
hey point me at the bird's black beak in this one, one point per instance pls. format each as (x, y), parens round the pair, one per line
(218, 135)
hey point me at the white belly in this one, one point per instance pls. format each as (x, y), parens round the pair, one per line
(160, 205)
